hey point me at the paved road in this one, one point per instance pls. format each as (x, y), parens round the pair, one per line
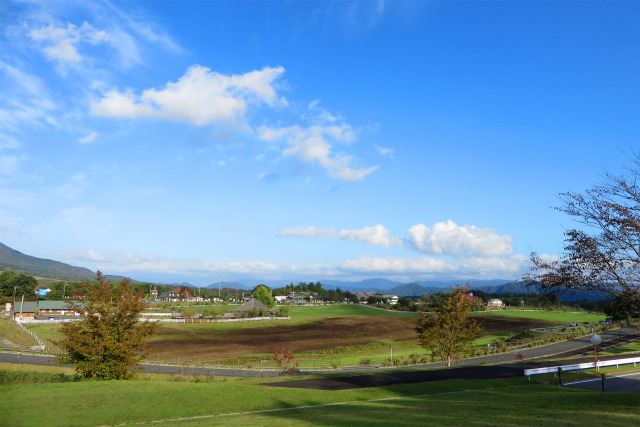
(579, 346)
(629, 382)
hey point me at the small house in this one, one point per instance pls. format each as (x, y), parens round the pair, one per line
(494, 302)
(25, 310)
(471, 297)
(56, 308)
(253, 305)
(181, 293)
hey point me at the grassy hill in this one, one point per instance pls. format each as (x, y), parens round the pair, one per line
(10, 259)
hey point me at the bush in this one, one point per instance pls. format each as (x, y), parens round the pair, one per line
(28, 377)
(283, 311)
(365, 362)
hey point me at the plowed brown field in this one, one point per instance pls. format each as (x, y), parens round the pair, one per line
(210, 341)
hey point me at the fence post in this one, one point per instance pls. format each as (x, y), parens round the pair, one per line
(560, 375)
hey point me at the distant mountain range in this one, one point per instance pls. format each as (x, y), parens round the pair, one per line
(385, 286)
(10, 259)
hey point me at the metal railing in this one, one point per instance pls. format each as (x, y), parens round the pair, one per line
(579, 366)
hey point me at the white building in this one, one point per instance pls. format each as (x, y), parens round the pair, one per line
(494, 302)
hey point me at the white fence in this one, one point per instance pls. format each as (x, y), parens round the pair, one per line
(31, 334)
(579, 366)
(244, 319)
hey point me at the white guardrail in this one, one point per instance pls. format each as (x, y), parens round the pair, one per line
(577, 367)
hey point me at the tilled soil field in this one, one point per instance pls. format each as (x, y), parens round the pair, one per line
(208, 341)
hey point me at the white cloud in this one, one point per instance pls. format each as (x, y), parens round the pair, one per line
(450, 239)
(384, 151)
(60, 43)
(396, 265)
(200, 97)
(312, 145)
(88, 139)
(309, 232)
(446, 238)
(377, 235)
(478, 267)
(506, 265)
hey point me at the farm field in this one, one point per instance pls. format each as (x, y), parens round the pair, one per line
(319, 335)
(513, 401)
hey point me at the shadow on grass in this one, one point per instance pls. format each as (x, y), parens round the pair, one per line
(531, 404)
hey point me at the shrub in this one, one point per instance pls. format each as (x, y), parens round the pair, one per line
(283, 311)
(28, 377)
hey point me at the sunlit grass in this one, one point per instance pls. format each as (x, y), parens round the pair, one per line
(548, 316)
(515, 401)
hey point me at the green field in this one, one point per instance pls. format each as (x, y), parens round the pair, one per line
(564, 317)
(212, 343)
(339, 310)
(249, 402)
(242, 402)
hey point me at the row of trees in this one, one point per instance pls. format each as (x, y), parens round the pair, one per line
(316, 289)
(14, 284)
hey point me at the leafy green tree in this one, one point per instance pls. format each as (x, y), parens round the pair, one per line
(109, 341)
(405, 303)
(438, 299)
(12, 282)
(447, 332)
(263, 294)
(351, 297)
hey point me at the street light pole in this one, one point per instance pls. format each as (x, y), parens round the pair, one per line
(595, 340)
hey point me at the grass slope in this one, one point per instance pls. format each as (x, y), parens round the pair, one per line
(11, 332)
(491, 402)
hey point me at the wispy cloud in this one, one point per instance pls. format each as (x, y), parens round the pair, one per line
(315, 144)
(377, 235)
(24, 99)
(384, 151)
(88, 139)
(60, 43)
(392, 267)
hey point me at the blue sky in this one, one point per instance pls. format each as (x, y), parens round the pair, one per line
(205, 141)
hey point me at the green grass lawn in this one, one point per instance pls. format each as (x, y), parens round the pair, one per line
(549, 316)
(340, 310)
(514, 402)
(10, 331)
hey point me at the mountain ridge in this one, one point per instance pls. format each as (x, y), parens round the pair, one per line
(11, 259)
